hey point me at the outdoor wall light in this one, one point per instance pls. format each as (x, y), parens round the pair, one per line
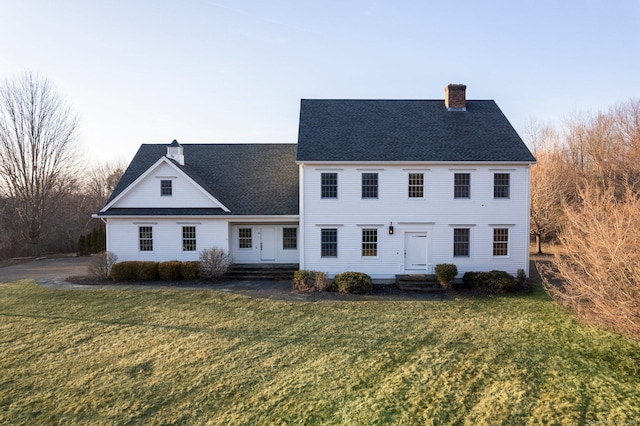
(391, 228)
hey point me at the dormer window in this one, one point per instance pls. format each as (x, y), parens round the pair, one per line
(166, 189)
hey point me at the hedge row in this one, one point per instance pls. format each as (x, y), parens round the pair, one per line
(172, 270)
(492, 282)
(347, 282)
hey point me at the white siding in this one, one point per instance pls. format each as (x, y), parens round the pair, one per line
(123, 238)
(146, 193)
(438, 213)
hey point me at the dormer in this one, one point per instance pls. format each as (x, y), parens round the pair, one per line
(175, 152)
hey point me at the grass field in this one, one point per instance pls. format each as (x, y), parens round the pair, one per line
(161, 356)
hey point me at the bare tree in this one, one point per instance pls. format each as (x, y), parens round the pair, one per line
(38, 160)
(599, 265)
(101, 181)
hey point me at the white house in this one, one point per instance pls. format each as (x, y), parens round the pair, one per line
(383, 187)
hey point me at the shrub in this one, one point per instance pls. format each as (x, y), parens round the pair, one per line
(123, 271)
(101, 264)
(470, 279)
(353, 283)
(214, 262)
(492, 282)
(190, 270)
(304, 280)
(145, 271)
(446, 272)
(169, 270)
(522, 281)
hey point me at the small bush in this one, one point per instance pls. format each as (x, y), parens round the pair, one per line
(492, 282)
(470, 279)
(353, 283)
(190, 270)
(214, 262)
(145, 271)
(123, 271)
(446, 272)
(522, 280)
(169, 270)
(101, 264)
(304, 280)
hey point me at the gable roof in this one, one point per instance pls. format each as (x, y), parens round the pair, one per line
(406, 130)
(249, 179)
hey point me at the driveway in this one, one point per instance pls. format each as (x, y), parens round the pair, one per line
(46, 269)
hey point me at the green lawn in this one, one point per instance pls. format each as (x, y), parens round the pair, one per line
(163, 356)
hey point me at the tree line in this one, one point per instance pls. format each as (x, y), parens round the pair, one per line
(47, 192)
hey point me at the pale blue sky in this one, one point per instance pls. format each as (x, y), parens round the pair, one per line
(235, 71)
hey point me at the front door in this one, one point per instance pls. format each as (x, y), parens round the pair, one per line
(415, 252)
(268, 243)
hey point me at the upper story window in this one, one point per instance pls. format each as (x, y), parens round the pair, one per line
(370, 242)
(462, 185)
(369, 185)
(329, 242)
(166, 188)
(501, 185)
(329, 185)
(461, 242)
(145, 235)
(501, 241)
(188, 238)
(416, 185)
(289, 238)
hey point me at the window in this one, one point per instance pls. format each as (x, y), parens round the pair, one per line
(461, 242)
(329, 185)
(369, 185)
(290, 238)
(188, 238)
(416, 185)
(146, 238)
(501, 185)
(462, 185)
(166, 189)
(369, 242)
(500, 241)
(244, 238)
(329, 243)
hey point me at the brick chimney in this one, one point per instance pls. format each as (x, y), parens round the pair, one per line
(175, 152)
(455, 98)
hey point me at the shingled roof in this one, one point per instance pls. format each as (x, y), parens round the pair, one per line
(249, 179)
(406, 130)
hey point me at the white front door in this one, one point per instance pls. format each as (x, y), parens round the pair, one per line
(415, 252)
(268, 243)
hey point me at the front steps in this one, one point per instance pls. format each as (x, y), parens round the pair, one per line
(419, 282)
(261, 271)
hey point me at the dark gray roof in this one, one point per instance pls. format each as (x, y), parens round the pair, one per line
(406, 130)
(249, 179)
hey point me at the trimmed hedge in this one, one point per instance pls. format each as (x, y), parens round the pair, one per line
(446, 272)
(492, 282)
(123, 271)
(145, 271)
(190, 270)
(353, 283)
(170, 270)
